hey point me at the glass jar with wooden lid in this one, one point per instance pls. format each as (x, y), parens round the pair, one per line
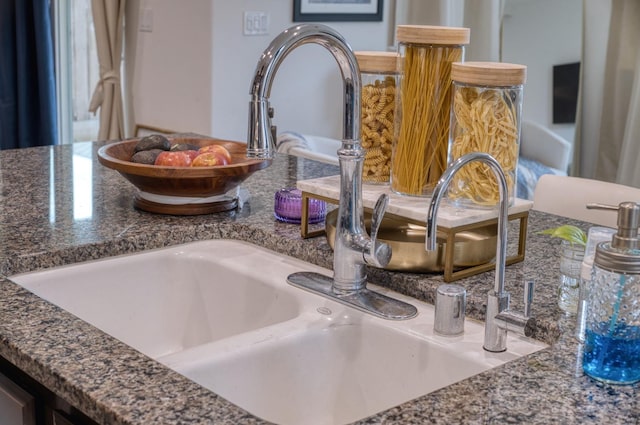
(422, 113)
(485, 117)
(378, 71)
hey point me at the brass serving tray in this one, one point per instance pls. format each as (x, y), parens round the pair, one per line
(471, 248)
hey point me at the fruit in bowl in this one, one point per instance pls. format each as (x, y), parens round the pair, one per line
(217, 150)
(209, 159)
(174, 159)
(157, 149)
(193, 185)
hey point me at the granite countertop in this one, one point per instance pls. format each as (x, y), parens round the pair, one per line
(58, 206)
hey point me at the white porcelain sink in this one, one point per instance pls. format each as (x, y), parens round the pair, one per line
(165, 301)
(221, 313)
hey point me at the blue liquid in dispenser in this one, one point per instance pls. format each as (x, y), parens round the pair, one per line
(613, 356)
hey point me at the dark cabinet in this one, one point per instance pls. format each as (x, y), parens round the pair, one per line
(24, 401)
(17, 406)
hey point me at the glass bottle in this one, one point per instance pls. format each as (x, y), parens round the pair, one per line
(422, 114)
(378, 71)
(612, 335)
(571, 257)
(485, 117)
(595, 235)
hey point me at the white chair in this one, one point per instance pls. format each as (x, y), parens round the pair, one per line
(321, 149)
(543, 145)
(568, 196)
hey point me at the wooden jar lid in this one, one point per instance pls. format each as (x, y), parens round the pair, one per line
(489, 73)
(384, 62)
(428, 34)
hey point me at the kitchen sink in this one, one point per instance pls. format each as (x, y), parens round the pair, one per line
(168, 300)
(337, 373)
(221, 313)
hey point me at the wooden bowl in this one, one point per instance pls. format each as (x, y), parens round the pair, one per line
(182, 190)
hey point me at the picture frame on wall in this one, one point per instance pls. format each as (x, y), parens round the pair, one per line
(337, 10)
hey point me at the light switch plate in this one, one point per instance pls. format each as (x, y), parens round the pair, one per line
(256, 23)
(146, 20)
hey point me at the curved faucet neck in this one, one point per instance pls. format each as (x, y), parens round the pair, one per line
(268, 65)
(353, 248)
(443, 184)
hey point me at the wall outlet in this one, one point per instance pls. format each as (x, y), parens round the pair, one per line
(256, 23)
(146, 20)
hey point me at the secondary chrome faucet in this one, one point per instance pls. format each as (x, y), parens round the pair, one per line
(499, 318)
(353, 248)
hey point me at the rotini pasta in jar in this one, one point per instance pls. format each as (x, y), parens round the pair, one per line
(485, 117)
(422, 115)
(378, 103)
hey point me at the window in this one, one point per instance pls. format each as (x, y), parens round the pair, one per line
(77, 70)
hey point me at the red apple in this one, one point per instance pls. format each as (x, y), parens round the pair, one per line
(209, 159)
(192, 154)
(219, 149)
(173, 159)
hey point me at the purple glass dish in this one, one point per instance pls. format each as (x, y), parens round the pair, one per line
(288, 207)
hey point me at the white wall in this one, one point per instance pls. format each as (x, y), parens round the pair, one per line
(193, 71)
(540, 34)
(169, 69)
(307, 90)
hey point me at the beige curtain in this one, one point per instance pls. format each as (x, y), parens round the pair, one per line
(108, 18)
(629, 73)
(608, 128)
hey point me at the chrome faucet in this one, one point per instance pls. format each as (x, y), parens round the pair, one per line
(353, 248)
(499, 318)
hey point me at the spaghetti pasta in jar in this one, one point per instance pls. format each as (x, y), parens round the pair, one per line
(485, 117)
(379, 79)
(422, 113)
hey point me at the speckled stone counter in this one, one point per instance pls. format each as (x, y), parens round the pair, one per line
(60, 206)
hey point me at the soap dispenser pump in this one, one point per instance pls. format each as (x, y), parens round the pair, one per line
(612, 337)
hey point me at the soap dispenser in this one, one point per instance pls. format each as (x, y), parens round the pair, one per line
(612, 336)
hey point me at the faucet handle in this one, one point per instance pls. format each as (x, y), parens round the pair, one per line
(599, 206)
(378, 213)
(380, 253)
(528, 297)
(521, 323)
